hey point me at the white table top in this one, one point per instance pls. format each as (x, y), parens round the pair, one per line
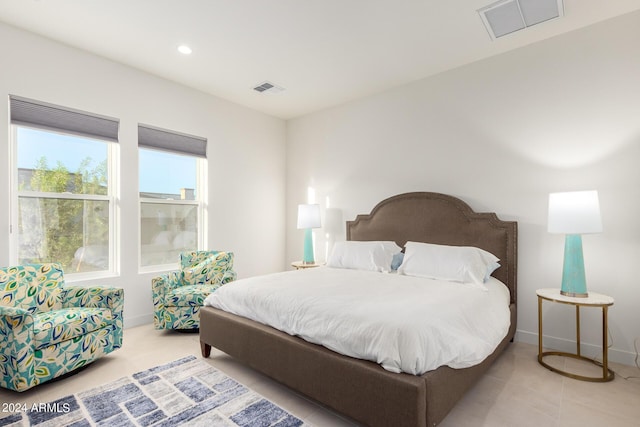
(593, 298)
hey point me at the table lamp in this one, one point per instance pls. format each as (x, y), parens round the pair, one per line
(308, 218)
(574, 214)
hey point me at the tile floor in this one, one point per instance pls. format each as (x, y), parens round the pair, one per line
(516, 391)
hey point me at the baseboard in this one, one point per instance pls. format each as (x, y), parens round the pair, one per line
(133, 321)
(587, 350)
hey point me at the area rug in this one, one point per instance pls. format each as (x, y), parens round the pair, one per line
(186, 392)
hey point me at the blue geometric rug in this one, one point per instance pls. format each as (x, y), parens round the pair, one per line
(187, 392)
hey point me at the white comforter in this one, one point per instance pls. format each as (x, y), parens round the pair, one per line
(406, 324)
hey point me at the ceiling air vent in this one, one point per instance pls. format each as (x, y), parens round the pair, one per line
(267, 87)
(507, 16)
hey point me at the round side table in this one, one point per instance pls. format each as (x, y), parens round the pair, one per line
(299, 265)
(593, 300)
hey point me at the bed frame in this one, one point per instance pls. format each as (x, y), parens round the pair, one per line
(360, 389)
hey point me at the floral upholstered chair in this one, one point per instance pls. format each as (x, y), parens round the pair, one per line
(48, 328)
(178, 295)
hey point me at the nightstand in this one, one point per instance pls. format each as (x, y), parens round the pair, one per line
(593, 300)
(299, 265)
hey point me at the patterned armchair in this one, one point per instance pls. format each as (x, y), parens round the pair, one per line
(48, 328)
(178, 295)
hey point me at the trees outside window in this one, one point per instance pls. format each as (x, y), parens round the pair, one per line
(64, 200)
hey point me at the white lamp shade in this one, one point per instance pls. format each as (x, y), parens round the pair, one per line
(309, 216)
(576, 212)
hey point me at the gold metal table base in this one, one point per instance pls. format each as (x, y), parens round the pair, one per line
(607, 377)
(600, 301)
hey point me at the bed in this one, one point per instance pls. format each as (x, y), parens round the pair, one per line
(361, 389)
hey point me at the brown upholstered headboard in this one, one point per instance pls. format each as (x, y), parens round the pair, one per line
(445, 220)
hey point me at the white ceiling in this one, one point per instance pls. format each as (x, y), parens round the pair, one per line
(323, 52)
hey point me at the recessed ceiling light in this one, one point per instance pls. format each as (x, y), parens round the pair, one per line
(184, 49)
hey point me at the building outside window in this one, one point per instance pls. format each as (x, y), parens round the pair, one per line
(172, 187)
(64, 198)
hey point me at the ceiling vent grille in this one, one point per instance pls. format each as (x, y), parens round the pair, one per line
(507, 16)
(267, 87)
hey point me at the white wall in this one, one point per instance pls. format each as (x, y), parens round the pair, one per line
(246, 164)
(559, 115)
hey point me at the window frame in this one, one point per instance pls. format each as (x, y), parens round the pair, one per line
(200, 202)
(111, 198)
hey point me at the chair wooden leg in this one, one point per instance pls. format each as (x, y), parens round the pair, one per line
(206, 349)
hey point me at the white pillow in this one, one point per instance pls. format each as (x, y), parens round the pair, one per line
(372, 256)
(464, 264)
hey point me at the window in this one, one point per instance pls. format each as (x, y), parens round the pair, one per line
(172, 188)
(63, 187)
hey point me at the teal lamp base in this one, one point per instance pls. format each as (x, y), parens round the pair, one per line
(308, 247)
(574, 283)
